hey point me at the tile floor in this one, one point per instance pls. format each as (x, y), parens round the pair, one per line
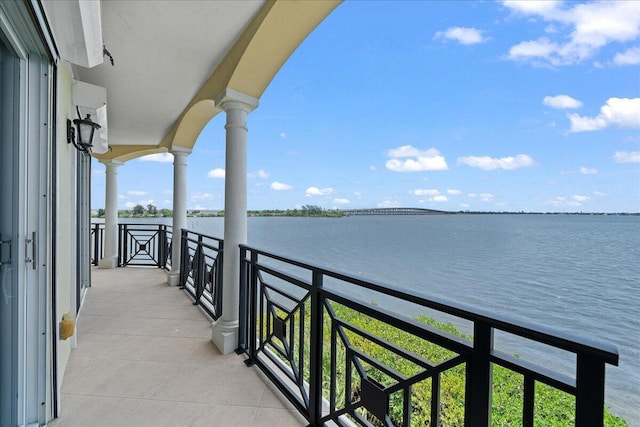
(145, 358)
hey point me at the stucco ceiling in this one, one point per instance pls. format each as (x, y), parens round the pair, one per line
(164, 51)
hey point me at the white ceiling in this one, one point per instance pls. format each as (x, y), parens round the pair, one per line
(163, 51)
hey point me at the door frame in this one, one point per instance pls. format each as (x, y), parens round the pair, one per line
(21, 24)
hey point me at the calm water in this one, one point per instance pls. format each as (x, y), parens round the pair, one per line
(575, 273)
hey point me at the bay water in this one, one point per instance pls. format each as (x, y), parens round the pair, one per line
(573, 273)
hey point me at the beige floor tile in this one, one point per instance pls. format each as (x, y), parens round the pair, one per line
(145, 358)
(269, 417)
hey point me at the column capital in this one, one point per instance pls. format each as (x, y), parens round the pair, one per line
(180, 151)
(111, 162)
(230, 99)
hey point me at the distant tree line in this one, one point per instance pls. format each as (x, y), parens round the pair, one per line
(138, 211)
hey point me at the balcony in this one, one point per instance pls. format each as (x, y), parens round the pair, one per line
(144, 357)
(310, 337)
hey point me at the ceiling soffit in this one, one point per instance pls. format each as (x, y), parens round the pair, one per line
(171, 110)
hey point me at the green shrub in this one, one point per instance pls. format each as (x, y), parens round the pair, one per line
(552, 406)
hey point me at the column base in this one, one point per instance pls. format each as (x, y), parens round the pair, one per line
(225, 335)
(108, 262)
(173, 278)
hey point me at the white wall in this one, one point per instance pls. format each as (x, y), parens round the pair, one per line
(65, 218)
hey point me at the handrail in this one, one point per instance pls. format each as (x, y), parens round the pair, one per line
(292, 329)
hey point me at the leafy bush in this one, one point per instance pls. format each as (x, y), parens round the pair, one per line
(552, 406)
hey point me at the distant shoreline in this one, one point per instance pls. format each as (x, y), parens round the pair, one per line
(342, 214)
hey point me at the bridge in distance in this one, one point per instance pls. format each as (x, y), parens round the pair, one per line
(393, 211)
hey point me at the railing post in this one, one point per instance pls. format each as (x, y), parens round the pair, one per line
(96, 243)
(316, 339)
(162, 246)
(252, 306)
(589, 391)
(479, 373)
(242, 310)
(218, 285)
(184, 250)
(199, 270)
(122, 245)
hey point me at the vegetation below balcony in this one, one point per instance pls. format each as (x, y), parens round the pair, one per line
(552, 406)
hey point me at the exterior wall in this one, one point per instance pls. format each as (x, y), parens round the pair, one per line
(65, 217)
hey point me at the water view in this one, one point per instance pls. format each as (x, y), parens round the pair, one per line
(573, 273)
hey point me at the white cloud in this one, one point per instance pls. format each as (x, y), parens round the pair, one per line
(136, 193)
(490, 163)
(462, 35)
(561, 102)
(202, 196)
(168, 191)
(280, 186)
(583, 29)
(579, 198)
(372, 168)
(167, 202)
(454, 192)
(129, 205)
(588, 171)
(120, 196)
(438, 199)
(315, 191)
(630, 56)
(563, 202)
(389, 204)
(541, 7)
(627, 157)
(357, 193)
(465, 205)
(619, 112)
(599, 193)
(158, 157)
(341, 201)
(146, 202)
(216, 173)
(283, 135)
(486, 197)
(415, 160)
(260, 173)
(532, 49)
(425, 192)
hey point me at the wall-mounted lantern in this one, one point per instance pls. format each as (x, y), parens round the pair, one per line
(85, 130)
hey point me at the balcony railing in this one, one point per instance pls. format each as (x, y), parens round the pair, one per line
(138, 244)
(303, 326)
(340, 359)
(201, 270)
(144, 245)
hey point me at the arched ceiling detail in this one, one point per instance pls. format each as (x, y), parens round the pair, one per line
(268, 39)
(250, 65)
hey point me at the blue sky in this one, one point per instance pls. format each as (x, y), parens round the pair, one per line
(492, 106)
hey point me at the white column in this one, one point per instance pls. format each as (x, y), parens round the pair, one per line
(110, 258)
(179, 209)
(237, 106)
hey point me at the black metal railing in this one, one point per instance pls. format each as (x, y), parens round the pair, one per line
(138, 244)
(201, 270)
(341, 360)
(144, 245)
(97, 243)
